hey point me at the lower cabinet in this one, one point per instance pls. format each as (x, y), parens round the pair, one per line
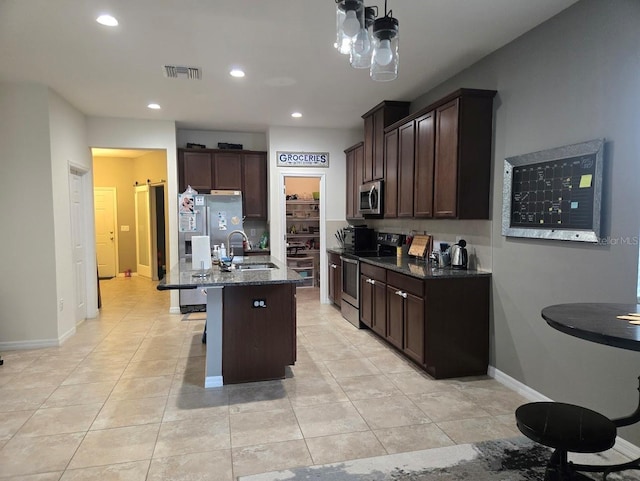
(373, 305)
(405, 314)
(334, 277)
(440, 323)
(259, 332)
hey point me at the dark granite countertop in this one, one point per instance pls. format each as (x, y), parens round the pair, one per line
(182, 277)
(410, 266)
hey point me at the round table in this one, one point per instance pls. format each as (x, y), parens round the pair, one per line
(599, 323)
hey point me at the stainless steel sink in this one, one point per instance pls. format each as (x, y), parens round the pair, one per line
(263, 266)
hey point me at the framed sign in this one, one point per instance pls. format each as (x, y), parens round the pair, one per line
(303, 159)
(554, 194)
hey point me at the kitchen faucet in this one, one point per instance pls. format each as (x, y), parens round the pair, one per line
(229, 248)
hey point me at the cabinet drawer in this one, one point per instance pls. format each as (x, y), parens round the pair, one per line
(333, 258)
(373, 272)
(406, 283)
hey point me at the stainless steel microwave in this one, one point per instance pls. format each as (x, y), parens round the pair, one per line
(371, 198)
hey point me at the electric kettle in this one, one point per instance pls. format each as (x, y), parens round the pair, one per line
(459, 257)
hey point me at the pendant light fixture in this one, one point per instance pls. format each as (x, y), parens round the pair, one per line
(384, 59)
(349, 21)
(362, 46)
(370, 42)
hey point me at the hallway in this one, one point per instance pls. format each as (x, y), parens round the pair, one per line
(123, 400)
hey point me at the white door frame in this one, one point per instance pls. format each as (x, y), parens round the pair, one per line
(150, 242)
(283, 221)
(115, 224)
(89, 238)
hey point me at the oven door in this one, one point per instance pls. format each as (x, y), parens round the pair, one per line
(350, 281)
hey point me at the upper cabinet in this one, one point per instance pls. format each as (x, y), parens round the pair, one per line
(443, 159)
(208, 169)
(195, 169)
(354, 160)
(375, 121)
(254, 181)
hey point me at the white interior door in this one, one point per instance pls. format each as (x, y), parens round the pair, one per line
(143, 231)
(105, 215)
(77, 237)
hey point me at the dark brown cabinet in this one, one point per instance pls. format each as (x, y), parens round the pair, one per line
(254, 181)
(227, 171)
(462, 155)
(457, 326)
(440, 323)
(445, 197)
(334, 277)
(375, 121)
(195, 169)
(406, 180)
(423, 159)
(354, 160)
(391, 174)
(438, 161)
(258, 343)
(207, 169)
(405, 315)
(373, 306)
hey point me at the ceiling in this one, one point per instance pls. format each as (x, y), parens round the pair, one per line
(284, 46)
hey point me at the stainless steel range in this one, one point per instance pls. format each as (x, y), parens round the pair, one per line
(382, 244)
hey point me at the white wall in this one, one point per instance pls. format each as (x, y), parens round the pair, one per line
(144, 134)
(333, 199)
(210, 139)
(28, 256)
(69, 148)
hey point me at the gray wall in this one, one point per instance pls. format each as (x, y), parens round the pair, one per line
(572, 79)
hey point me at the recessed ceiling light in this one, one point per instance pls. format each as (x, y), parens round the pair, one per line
(296, 115)
(154, 106)
(107, 20)
(236, 72)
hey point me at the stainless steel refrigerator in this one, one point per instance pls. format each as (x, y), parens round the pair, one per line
(215, 215)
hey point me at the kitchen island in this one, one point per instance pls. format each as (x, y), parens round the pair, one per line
(251, 317)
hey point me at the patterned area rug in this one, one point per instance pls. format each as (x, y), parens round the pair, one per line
(516, 459)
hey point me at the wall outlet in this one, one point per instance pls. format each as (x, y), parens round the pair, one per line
(124, 228)
(61, 304)
(252, 232)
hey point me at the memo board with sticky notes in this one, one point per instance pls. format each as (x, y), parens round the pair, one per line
(554, 194)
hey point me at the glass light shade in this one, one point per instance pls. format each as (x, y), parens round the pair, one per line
(349, 21)
(362, 46)
(384, 59)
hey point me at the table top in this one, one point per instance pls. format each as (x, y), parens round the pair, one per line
(596, 322)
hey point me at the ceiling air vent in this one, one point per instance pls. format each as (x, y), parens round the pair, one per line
(175, 71)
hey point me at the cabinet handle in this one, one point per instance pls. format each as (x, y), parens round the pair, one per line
(373, 281)
(402, 294)
(333, 266)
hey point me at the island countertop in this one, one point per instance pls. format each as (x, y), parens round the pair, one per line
(180, 276)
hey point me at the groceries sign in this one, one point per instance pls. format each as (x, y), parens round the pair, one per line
(303, 159)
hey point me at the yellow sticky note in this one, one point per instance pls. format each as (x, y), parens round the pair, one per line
(585, 181)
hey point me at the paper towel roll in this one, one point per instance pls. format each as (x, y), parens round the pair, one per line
(200, 252)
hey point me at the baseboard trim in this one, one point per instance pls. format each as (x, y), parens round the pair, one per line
(22, 345)
(174, 310)
(623, 446)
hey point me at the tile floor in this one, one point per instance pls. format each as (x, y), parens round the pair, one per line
(123, 400)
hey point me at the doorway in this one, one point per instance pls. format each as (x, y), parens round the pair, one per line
(304, 230)
(131, 183)
(105, 204)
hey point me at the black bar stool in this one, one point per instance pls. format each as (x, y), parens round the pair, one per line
(566, 428)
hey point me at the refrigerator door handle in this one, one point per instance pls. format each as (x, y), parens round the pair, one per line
(206, 220)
